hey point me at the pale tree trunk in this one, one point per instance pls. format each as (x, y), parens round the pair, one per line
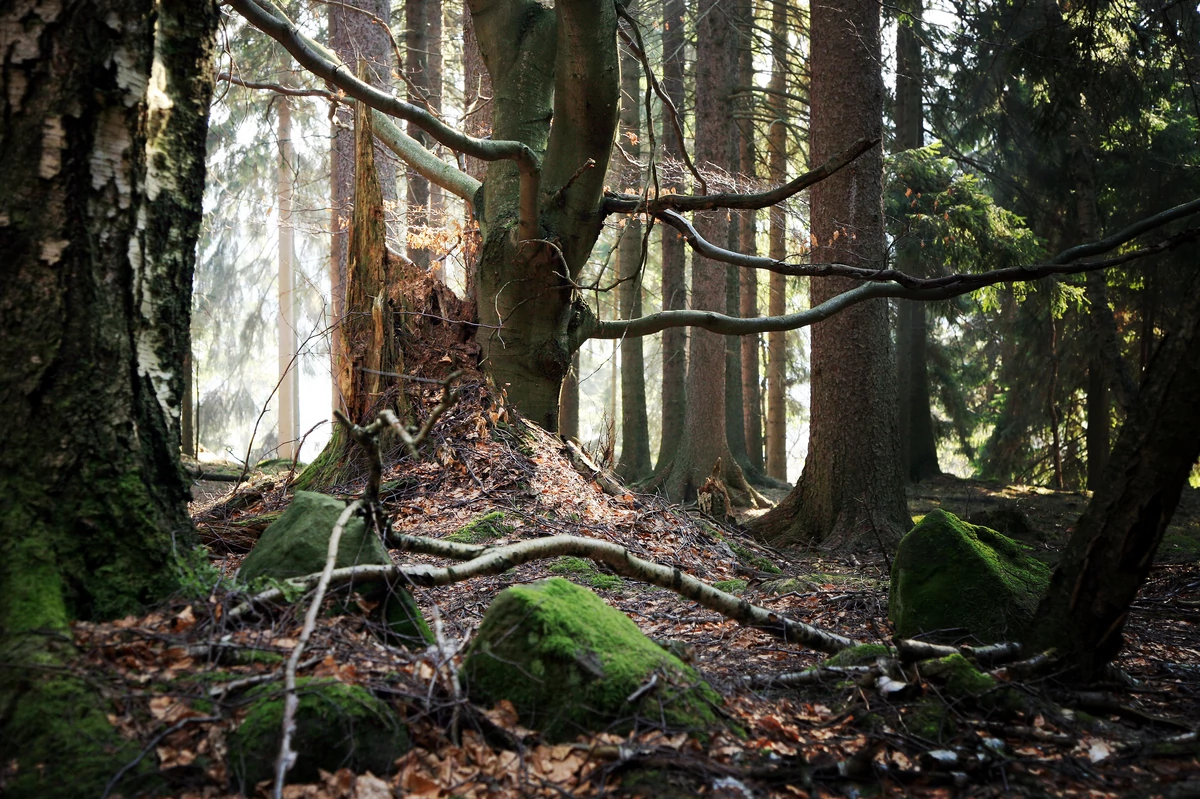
(416, 75)
(851, 493)
(1112, 549)
(674, 290)
(568, 404)
(777, 302)
(635, 433)
(704, 441)
(434, 73)
(102, 168)
(288, 397)
(918, 447)
(353, 36)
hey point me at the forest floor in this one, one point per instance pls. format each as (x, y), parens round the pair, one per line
(836, 738)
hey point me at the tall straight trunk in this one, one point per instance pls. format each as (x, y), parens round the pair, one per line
(635, 428)
(416, 74)
(777, 301)
(353, 36)
(434, 76)
(918, 446)
(288, 397)
(674, 289)
(704, 438)
(1112, 549)
(478, 123)
(1052, 407)
(105, 110)
(747, 227)
(851, 493)
(735, 421)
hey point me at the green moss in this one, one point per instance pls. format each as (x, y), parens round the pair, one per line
(585, 571)
(337, 725)
(861, 655)
(786, 585)
(949, 574)
(930, 720)
(961, 679)
(749, 558)
(568, 662)
(731, 586)
(56, 731)
(196, 575)
(486, 528)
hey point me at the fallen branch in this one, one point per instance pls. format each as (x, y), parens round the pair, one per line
(494, 560)
(291, 702)
(993, 654)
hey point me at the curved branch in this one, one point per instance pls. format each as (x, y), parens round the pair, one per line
(494, 560)
(269, 19)
(881, 285)
(624, 203)
(423, 162)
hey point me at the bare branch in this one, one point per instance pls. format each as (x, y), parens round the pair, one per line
(494, 560)
(425, 163)
(624, 203)
(277, 88)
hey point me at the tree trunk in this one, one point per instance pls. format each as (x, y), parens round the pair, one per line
(353, 36)
(674, 289)
(777, 302)
(918, 447)
(1110, 553)
(704, 441)
(103, 175)
(416, 74)
(288, 398)
(478, 123)
(434, 76)
(635, 433)
(568, 405)
(851, 493)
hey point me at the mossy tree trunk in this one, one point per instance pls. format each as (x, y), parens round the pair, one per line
(102, 163)
(1110, 553)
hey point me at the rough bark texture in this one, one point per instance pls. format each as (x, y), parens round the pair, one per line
(568, 404)
(674, 291)
(635, 433)
(558, 62)
(478, 123)
(353, 36)
(704, 440)
(105, 110)
(777, 301)
(1113, 546)
(416, 75)
(918, 447)
(851, 493)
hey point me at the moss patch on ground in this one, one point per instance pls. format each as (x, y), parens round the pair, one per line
(861, 655)
(951, 575)
(337, 725)
(568, 662)
(585, 571)
(486, 528)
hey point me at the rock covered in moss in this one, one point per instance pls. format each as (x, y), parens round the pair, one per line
(337, 725)
(860, 655)
(297, 543)
(570, 663)
(948, 574)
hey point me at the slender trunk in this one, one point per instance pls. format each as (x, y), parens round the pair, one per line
(288, 397)
(777, 306)
(478, 123)
(416, 74)
(1052, 406)
(568, 406)
(635, 431)
(851, 493)
(674, 290)
(187, 422)
(434, 89)
(918, 447)
(1110, 553)
(353, 36)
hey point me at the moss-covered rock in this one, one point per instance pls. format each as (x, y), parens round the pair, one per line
(337, 725)
(568, 662)
(487, 527)
(56, 741)
(948, 574)
(298, 542)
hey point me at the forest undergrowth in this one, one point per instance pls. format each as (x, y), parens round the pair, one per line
(179, 674)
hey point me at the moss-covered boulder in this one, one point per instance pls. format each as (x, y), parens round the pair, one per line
(297, 544)
(337, 725)
(569, 663)
(948, 574)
